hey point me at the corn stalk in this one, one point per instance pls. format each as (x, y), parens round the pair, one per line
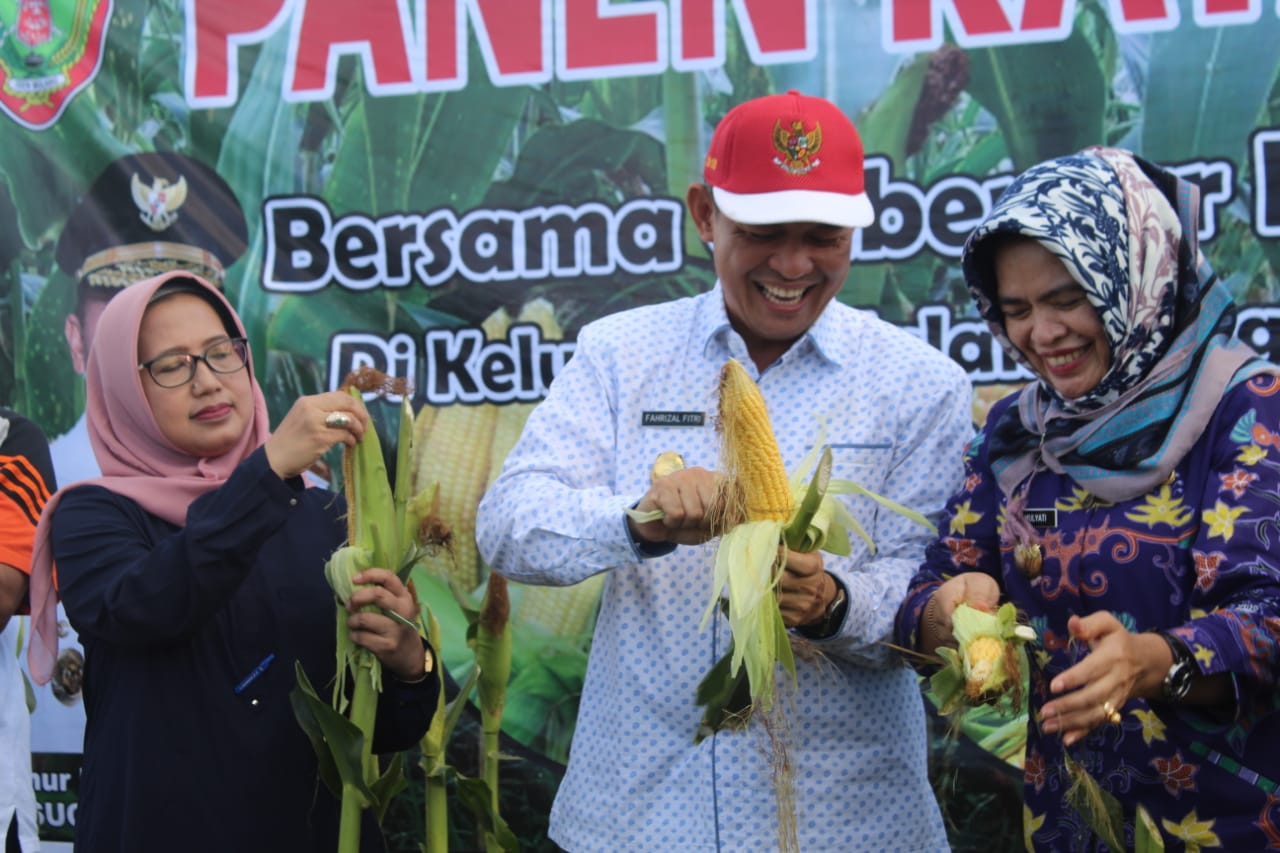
(478, 796)
(490, 638)
(433, 745)
(382, 530)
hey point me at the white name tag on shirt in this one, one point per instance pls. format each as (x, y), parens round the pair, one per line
(1041, 517)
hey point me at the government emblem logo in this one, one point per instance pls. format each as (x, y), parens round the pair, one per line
(158, 204)
(49, 51)
(797, 148)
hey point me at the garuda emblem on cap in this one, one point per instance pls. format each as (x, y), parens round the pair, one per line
(797, 148)
(158, 204)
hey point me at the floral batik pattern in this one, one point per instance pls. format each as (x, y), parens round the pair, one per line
(1198, 555)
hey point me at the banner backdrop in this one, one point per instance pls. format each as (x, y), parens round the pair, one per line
(449, 189)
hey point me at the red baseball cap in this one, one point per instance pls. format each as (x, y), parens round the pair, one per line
(788, 158)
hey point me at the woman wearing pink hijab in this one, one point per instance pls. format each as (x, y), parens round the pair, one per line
(193, 572)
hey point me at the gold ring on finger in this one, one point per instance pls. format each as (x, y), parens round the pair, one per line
(1110, 713)
(337, 420)
(668, 462)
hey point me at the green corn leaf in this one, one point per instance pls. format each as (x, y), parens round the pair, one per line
(725, 697)
(345, 652)
(476, 796)
(644, 516)
(453, 711)
(1049, 98)
(338, 742)
(1146, 836)
(801, 534)
(849, 487)
(1207, 114)
(857, 528)
(388, 785)
(782, 643)
(374, 505)
(432, 743)
(947, 684)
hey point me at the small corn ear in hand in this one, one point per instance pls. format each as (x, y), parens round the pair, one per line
(988, 663)
(344, 564)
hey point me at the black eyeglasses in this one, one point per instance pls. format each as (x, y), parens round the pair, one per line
(174, 369)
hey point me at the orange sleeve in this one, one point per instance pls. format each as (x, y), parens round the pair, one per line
(23, 494)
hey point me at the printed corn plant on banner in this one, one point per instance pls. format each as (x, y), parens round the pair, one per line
(448, 191)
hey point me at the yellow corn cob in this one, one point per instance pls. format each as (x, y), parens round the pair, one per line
(756, 502)
(456, 455)
(980, 659)
(752, 458)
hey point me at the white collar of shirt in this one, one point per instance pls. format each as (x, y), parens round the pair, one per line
(719, 340)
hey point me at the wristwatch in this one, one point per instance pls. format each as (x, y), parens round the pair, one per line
(1177, 681)
(834, 614)
(428, 665)
(832, 617)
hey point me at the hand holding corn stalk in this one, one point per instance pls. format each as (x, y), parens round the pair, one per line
(382, 530)
(765, 515)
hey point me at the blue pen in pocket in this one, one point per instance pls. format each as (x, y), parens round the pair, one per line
(253, 676)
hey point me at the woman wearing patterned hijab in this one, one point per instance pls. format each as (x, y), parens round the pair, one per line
(1127, 502)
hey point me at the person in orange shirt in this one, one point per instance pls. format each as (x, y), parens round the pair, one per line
(26, 480)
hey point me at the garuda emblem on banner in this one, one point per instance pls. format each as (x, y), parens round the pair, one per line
(158, 204)
(797, 148)
(49, 51)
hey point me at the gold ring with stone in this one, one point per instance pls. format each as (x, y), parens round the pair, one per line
(338, 420)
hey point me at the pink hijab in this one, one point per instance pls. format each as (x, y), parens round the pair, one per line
(137, 461)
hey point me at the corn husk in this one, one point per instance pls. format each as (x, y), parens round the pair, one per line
(384, 527)
(988, 663)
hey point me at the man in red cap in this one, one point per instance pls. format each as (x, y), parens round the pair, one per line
(782, 194)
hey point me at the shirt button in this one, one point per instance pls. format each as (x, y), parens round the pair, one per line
(293, 501)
